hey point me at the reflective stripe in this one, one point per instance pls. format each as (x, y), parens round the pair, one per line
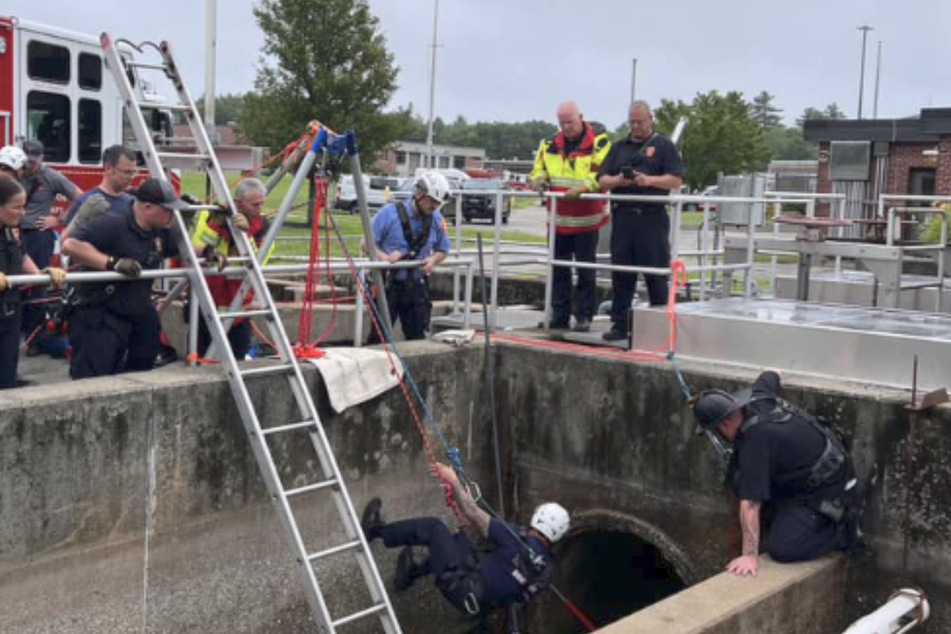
(580, 221)
(569, 183)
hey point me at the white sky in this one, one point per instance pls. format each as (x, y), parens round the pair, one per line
(511, 60)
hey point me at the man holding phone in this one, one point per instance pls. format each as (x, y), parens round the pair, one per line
(644, 164)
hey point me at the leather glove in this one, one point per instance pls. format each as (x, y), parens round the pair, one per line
(128, 267)
(57, 276)
(240, 222)
(214, 256)
(191, 200)
(575, 194)
(4, 284)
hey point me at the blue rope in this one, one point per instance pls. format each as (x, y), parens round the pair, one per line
(680, 376)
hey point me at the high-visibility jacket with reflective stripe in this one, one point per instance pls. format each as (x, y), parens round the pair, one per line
(578, 169)
(213, 232)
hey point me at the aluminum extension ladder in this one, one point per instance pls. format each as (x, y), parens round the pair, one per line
(122, 70)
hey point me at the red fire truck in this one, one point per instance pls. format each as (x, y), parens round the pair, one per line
(54, 87)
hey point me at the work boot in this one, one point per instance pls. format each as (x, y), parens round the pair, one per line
(407, 570)
(617, 333)
(582, 324)
(372, 519)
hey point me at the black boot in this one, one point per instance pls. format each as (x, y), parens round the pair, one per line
(372, 519)
(407, 570)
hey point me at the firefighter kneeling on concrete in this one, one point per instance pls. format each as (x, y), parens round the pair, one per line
(114, 326)
(794, 463)
(520, 565)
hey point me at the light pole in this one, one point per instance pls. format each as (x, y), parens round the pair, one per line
(864, 29)
(432, 91)
(878, 80)
(633, 77)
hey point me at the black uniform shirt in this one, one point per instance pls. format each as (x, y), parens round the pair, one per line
(656, 156)
(770, 452)
(117, 234)
(11, 262)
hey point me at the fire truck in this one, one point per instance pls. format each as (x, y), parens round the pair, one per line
(55, 88)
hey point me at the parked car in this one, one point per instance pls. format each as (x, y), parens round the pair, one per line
(346, 194)
(478, 199)
(712, 190)
(380, 191)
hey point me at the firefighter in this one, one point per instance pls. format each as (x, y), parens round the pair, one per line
(569, 162)
(212, 238)
(520, 565)
(643, 164)
(118, 172)
(14, 261)
(113, 326)
(786, 459)
(12, 161)
(413, 230)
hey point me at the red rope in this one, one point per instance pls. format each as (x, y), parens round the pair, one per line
(304, 349)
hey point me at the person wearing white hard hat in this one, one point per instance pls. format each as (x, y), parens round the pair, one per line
(12, 161)
(413, 229)
(520, 565)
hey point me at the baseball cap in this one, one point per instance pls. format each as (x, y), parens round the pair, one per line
(33, 149)
(159, 192)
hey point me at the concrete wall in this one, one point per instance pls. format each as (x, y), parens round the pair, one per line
(611, 439)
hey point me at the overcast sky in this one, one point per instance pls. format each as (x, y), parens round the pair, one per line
(511, 60)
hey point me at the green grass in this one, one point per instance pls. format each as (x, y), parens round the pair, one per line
(349, 225)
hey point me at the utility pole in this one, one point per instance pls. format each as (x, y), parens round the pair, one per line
(878, 80)
(211, 44)
(432, 91)
(864, 29)
(633, 77)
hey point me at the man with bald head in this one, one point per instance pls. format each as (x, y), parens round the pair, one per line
(568, 162)
(643, 164)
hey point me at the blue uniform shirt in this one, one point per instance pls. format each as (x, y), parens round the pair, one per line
(501, 585)
(388, 233)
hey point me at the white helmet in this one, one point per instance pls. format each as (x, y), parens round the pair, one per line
(434, 185)
(551, 520)
(12, 157)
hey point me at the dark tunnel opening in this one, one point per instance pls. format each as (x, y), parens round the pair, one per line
(608, 574)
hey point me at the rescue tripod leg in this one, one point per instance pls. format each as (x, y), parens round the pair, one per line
(308, 562)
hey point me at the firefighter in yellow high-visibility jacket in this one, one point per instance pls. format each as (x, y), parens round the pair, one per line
(568, 162)
(212, 238)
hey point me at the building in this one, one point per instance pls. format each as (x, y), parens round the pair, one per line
(403, 158)
(867, 157)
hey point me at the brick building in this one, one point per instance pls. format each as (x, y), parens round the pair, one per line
(867, 157)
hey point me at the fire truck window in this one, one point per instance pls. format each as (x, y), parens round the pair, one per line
(90, 71)
(47, 119)
(90, 131)
(47, 62)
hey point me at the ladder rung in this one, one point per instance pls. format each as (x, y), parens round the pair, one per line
(333, 551)
(179, 107)
(183, 156)
(269, 370)
(379, 607)
(913, 285)
(291, 427)
(147, 66)
(242, 314)
(310, 488)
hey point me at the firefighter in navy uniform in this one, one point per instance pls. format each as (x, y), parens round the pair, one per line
(643, 164)
(14, 261)
(114, 326)
(519, 566)
(413, 230)
(787, 459)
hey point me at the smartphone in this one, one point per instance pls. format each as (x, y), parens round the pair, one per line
(627, 172)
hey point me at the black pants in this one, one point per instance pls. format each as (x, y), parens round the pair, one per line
(799, 533)
(451, 556)
(39, 245)
(239, 337)
(582, 247)
(410, 306)
(638, 240)
(105, 343)
(11, 317)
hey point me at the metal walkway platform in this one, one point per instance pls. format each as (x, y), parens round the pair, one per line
(874, 345)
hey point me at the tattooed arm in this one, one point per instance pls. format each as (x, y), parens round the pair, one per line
(748, 562)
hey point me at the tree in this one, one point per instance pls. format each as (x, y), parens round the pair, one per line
(764, 112)
(228, 107)
(323, 60)
(788, 144)
(831, 111)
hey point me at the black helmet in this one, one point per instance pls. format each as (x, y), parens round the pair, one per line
(713, 406)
